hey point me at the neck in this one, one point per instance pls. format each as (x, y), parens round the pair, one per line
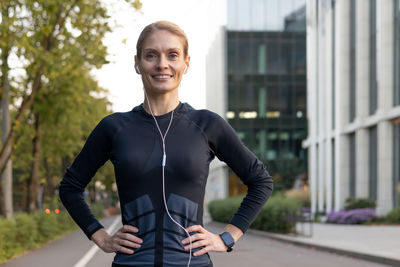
(160, 104)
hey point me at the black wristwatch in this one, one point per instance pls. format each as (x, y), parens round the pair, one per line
(228, 240)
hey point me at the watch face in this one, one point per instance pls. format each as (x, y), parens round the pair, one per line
(228, 240)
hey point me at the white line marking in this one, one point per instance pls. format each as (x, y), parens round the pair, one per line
(89, 255)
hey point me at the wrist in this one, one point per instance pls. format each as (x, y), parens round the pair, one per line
(228, 240)
(234, 231)
(99, 237)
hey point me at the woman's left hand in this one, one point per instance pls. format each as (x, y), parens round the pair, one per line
(210, 241)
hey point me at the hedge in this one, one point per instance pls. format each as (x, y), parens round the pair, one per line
(359, 203)
(27, 231)
(273, 217)
(393, 216)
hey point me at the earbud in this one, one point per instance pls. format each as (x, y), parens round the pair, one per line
(185, 69)
(138, 70)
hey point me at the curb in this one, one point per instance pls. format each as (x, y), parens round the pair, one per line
(358, 255)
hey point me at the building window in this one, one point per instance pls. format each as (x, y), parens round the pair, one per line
(352, 167)
(352, 58)
(267, 95)
(333, 62)
(262, 102)
(232, 55)
(261, 150)
(396, 165)
(300, 101)
(244, 54)
(261, 58)
(373, 166)
(300, 56)
(273, 64)
(272, 144)
(333, 172)
(372, 58)
(285, 103)
(396, 98)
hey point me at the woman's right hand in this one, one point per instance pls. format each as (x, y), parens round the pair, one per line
(117, 241)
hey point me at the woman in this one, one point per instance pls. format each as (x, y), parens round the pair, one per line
(161, 151)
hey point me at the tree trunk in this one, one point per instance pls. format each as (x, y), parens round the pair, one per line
(33, 188)
(6, 175)
(48, 186)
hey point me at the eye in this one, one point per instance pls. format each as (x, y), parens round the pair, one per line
(150, 56)
(173, 55)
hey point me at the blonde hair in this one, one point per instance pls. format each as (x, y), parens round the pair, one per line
(158, 26)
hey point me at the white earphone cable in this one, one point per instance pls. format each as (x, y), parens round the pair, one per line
(164, 161)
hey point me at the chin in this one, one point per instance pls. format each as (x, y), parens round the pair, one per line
(164, 89)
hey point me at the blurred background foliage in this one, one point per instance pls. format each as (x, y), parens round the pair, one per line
(50, 102)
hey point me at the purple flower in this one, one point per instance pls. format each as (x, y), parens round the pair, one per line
(305, 209)
(355, 216)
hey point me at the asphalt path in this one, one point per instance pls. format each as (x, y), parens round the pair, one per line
(75, 250)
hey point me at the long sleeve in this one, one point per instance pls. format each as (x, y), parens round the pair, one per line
(93, 155)
(227, 146)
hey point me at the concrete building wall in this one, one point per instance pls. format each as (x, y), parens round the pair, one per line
(385, 46)
(329, 94)
(217, 185)
(312, 65)
(362, 77)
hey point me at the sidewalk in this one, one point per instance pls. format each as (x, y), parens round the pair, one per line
(373, 243)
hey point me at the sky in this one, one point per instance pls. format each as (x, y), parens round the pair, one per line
(119, 76)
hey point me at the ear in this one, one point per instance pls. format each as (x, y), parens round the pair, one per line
(187, 64)
(137, 65)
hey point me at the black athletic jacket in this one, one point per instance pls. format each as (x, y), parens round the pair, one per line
(133, 144)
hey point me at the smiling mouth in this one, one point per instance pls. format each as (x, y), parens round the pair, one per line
(162, 77)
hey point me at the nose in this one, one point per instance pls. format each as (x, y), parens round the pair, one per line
(162, 63)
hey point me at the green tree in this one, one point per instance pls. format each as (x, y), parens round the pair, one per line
(58, 43)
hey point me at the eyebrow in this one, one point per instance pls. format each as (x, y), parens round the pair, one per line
(169, 49)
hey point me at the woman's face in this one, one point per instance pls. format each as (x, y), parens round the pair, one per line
(162, 62)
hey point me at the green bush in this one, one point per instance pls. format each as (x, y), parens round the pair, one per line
(301, 195)
(273, 217)
(7, 239)
(26, 232)
(98, 209)
(47, 226)
(65, 222)
(359, 203)
(222, 210)
(393, 216)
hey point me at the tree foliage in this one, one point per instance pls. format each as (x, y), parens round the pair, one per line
(54, 45)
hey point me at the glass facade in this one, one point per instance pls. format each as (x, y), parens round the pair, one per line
(333, 172)
(352, 165)
(333, 62)
(373, 163)
(373, 95)
(396, 94)
(396, 164)
(352, 60)
(266, 15)
(267, 96)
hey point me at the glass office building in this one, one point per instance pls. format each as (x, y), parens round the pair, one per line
(266, 84)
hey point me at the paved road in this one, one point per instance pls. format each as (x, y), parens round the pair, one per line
(251, 251)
